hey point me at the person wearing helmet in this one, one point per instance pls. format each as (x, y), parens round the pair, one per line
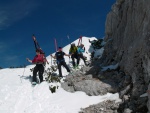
(74, 55)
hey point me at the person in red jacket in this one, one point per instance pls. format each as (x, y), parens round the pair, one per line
(39, 60)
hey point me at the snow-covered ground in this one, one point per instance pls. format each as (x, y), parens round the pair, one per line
(17, 95)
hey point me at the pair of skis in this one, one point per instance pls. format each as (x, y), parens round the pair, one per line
(36, 44)
(80, 40)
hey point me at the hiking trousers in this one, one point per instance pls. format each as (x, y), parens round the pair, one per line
(73, 57)
(40, 69)
(62, 63)
(82, 57)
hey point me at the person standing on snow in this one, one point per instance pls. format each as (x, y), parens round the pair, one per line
(39, 60)
(74, 55)
(81, 50)
(59, 56)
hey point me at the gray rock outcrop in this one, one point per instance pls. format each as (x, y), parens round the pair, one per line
(86, 83)
(127, 32)
(148, 103)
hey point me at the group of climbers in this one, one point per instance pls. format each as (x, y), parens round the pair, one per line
(76, 52)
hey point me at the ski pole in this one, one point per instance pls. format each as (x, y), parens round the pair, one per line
(55, 44)
(51, 60)
(22, 74)
(68, 39)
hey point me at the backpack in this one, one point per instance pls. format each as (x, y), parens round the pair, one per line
(60, 56)
(73, 50)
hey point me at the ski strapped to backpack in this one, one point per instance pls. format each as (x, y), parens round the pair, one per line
(36, 44)
(80, 40)
(37, 47)
(55, 41)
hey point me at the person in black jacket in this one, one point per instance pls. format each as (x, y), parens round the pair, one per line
(60, 60)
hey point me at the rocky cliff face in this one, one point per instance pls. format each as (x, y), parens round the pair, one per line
(127, 32)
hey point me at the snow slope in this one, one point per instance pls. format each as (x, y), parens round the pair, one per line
(17, 95)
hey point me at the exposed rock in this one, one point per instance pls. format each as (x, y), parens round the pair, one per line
(88, 84)
(128, 42)
(125, 91)
(148, 103)
(127, 110)
(103, 107)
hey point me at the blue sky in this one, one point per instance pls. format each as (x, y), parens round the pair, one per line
(47, 19)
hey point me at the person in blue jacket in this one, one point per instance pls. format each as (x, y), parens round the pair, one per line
(81, 50)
